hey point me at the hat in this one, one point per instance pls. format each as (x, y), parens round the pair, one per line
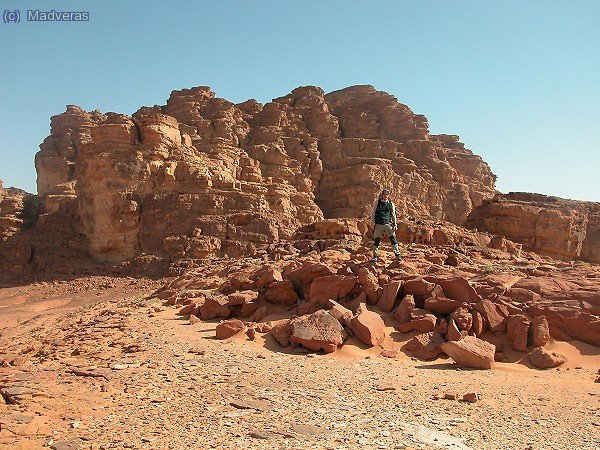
(385, 191)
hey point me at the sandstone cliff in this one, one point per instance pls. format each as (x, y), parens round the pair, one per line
(562, 228)
(202, 175)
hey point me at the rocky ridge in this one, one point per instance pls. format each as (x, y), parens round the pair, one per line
(566, 229)
(203, 176)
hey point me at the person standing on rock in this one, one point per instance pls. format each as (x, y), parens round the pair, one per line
(383, 218)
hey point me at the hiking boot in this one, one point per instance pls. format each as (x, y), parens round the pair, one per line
(374, 260)
(399, 257)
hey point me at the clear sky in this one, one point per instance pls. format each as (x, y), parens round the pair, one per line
(518, 80)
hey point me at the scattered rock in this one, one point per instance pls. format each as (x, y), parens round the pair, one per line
(387, 301)
(471, 397)
(442, 305)
(229, 328)
(471, 352)
(317, 331)
(342, 314)
(539, 331)
(546, 359)
(281, 293)
(425, 346)
(367, 326)
(282, 332)
(404, 310)
(517, 330)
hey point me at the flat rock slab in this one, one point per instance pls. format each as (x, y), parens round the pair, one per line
(259, 405)
(471, 352)
(71, 444)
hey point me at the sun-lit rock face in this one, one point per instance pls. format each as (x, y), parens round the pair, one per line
(549, 225)
(202, 175)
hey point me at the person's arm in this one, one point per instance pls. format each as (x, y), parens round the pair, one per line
(394, 224)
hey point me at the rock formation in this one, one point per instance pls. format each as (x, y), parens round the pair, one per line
(18, 211)
(204, 176)
(561, 228)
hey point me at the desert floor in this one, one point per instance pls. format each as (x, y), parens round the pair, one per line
(95, 363)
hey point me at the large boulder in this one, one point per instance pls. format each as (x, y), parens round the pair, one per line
(546, 359)
(282, 332)
(303, 276)
(539, 332)
(281, 293)
(267, 276)
(462, 318)
(460, 289)
(319, 330)
(517, 330)
(418, 287)
(387, 301)
(494, 319)
(367, 326)
(241, 297)
(404, 309)
(471, 352)
(342, 314)
(442, 305)
(331, 287)
(368, 284)
(425, 346)
(421, 321)
(229, 328)
(214, 306)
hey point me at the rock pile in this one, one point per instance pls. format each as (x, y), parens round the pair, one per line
(319, 300)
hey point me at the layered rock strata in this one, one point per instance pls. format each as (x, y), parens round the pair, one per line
(204, 176)
(553, 226)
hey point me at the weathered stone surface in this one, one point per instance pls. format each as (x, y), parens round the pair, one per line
(343, 315)
(282, 332)
(404, 309)
(242, 297)
(547, 225)
(368, 326)
(463, 319)
(546, 359)
(494, 320)
(303, 276)
(316, 331)
(281, 293)
(423, 324)
(460, 289)
(479, 325)
(369, 284)
(471, 352)
(425, 346)
(418, 287)
(214, 306)
(442, 305)
(229, 328)
(453, 333)
(539, 332)
(517, 329)
(332, 287)
(268, 275)
(387, 301)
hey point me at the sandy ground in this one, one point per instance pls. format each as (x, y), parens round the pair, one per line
(96, 364)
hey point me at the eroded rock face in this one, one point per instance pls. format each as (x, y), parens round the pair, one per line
(548, 225)
(18, 213)
(203, 176)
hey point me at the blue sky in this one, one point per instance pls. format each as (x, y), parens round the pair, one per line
(519, 81)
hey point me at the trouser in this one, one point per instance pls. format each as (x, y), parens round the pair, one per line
(387, 230)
